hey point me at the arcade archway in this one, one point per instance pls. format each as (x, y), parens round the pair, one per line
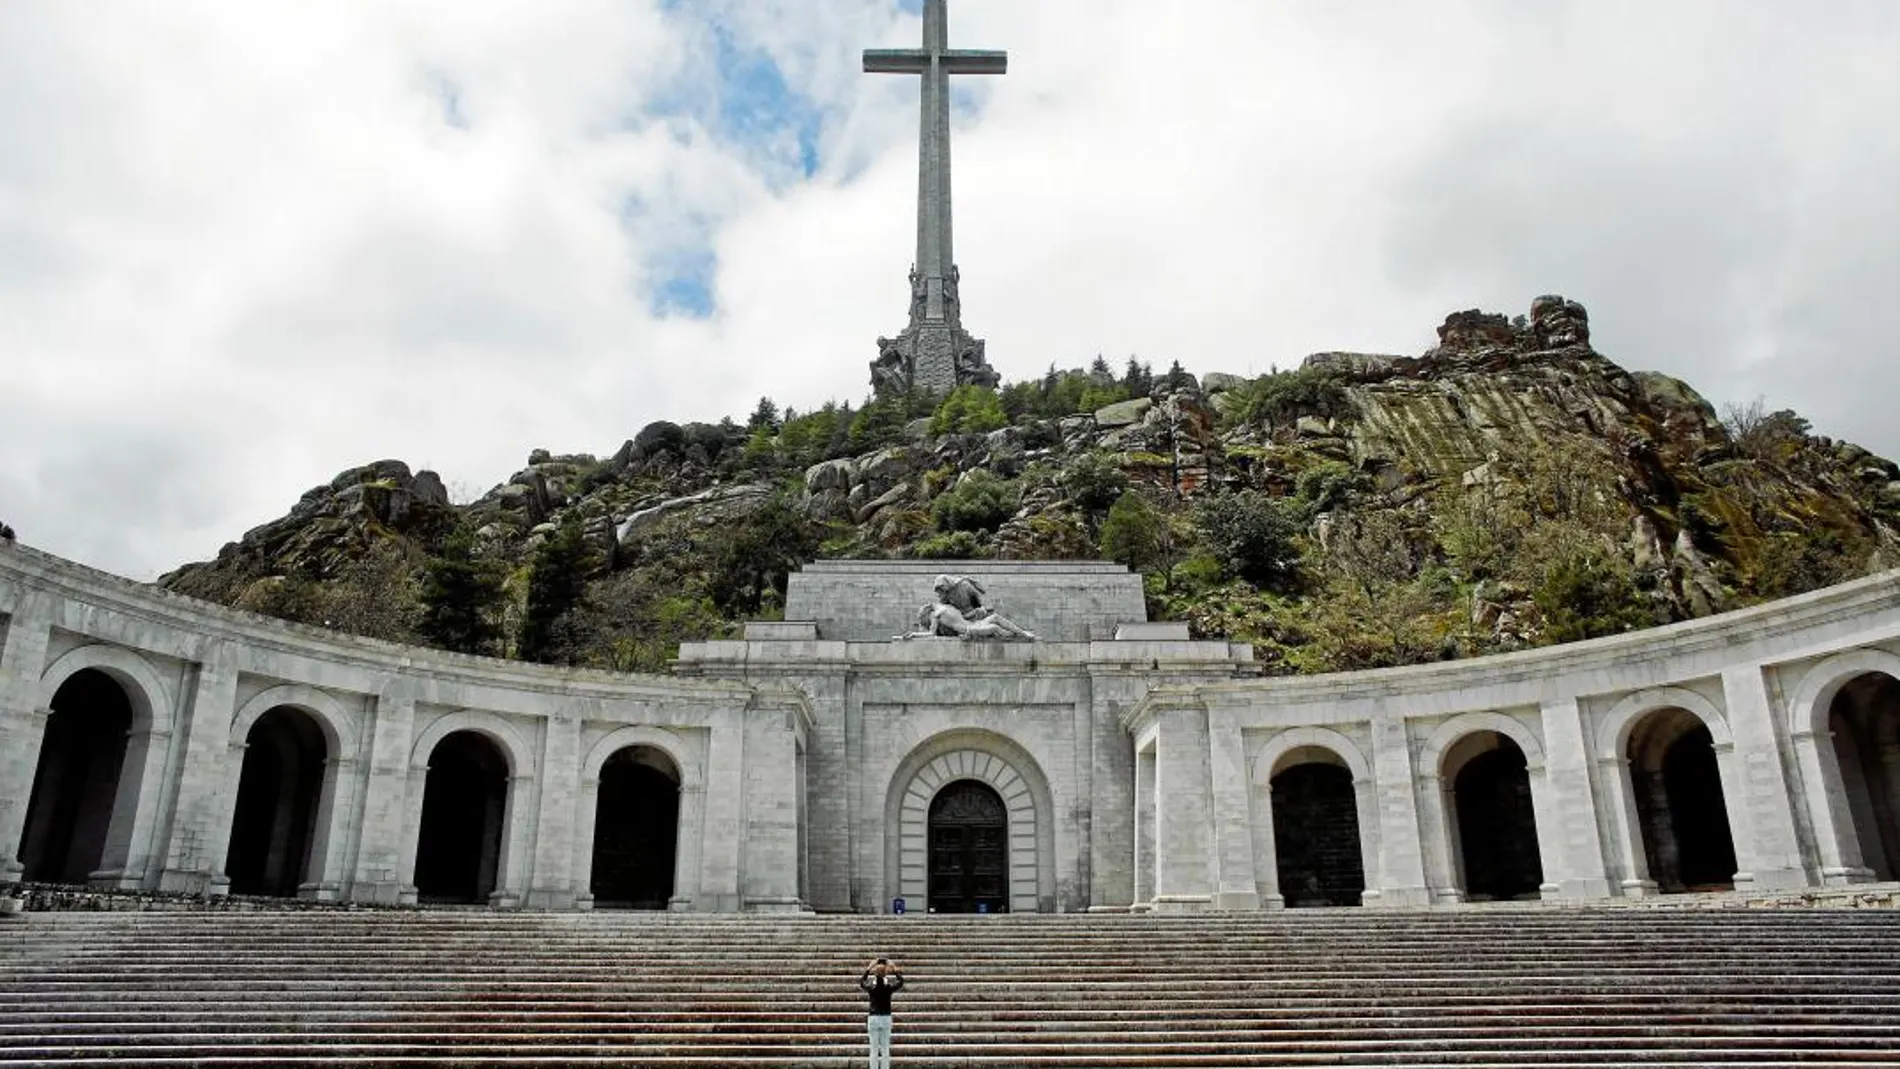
(636, 830)
(1680, 805)
(1864, 719)
(73, 804)
(464, 820)
(1496, 823)
(280, 792)
(1316, 832)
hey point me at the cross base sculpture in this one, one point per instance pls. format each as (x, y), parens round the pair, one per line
(934, 354)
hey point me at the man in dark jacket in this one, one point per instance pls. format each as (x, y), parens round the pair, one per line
(880, 981)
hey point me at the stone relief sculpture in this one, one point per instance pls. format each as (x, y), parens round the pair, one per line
(890, 372)
(959, 612)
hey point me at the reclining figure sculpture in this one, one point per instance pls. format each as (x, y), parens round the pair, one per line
(959, 612)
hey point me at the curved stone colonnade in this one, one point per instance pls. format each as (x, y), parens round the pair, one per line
(1757, 750)
(153, 741)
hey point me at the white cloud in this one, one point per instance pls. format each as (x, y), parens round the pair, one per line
(243, 246)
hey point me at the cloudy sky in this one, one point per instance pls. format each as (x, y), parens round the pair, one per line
(244, 245)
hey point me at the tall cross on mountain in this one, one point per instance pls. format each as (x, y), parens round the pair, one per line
(933, 353)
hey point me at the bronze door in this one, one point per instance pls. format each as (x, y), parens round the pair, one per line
(969, 850)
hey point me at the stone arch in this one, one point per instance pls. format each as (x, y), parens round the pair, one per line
(1267, 761)
(499, 731)
(657, 738)
(1289, 749)
(1613, 735)
(1432, 757)
(690, 820)
(511, 867)
(1643, 815)
(151, 700)
(999, 764)
(1469, 842)
(339, 727)
(127, 856)
(1838, 790)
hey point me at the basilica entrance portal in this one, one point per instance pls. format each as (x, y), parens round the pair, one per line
(969, 850)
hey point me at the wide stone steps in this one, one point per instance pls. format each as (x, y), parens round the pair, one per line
(1476, 987)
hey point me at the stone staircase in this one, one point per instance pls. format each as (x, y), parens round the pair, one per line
(1474, 987)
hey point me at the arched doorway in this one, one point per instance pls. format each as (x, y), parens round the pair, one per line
(1864, 719)
(76, 784)
(464, 817)
(636, 830)
(1679, 803)
(1495, 820)
(279, 795)
(969, 850)
(1316, 833)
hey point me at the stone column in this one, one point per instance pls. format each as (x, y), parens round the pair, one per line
(410, 837)
(687, 872)
(126, 863)
(1235, 885)
(207, 788)
(1568, 837)
(1767, 847)
(1266, 851)
(586, 812)
(1545, 812)
(769, 874)
(1184, 852)
(336, 809)
(1436, 812)
(379, 875)
(724, 815)
(555, 844)
(1145, 828)
(1400, 877)
(515, 867)
(22, 722)
(1836, 844)
(1625, 827)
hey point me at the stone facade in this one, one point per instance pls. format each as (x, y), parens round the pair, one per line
(1137, 768)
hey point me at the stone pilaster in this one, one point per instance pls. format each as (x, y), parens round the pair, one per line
(723, 815)
(1568, 838)
(556, 845)
(1400, 877)
(22, 722)
(1235, 886)
(1767, 847)
(769, 874)
(1145, 828)
(1184, 869)
(379, 873)
(207, 784)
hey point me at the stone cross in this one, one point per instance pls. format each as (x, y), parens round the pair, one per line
(937, 352)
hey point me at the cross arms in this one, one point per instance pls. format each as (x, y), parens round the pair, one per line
(917, 61)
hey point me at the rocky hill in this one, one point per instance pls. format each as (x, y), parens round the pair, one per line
(1509, 487)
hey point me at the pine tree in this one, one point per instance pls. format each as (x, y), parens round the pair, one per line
(461, 597)
(556, 586)
(766, 415)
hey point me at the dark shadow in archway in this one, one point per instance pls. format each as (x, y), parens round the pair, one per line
(279, 792)
(1316, 835)
(968, 850)
(464, 809)
(1497, 825)
(1679, 802)
(636, 830)
(1865, 722)
(76, 785)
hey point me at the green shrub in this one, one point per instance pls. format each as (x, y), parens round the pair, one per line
(1094, 481)
(969, 410)
(1135, 533)
(951, 545)
(980, 501)
(1282, 397)
(1253, 535)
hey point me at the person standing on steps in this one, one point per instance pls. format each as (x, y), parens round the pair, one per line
(880, 981)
